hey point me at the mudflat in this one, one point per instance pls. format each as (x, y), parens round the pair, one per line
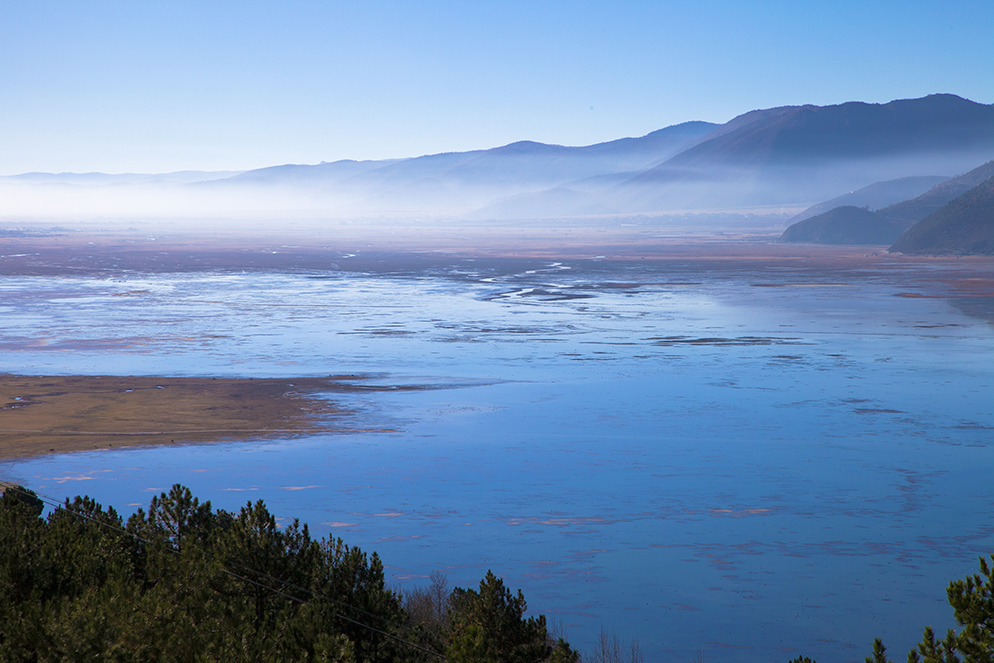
(59, 414)
(117, 253)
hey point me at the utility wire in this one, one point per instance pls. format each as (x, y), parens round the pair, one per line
(56, 504)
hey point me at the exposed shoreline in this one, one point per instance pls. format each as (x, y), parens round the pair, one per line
(61, 414)
(118, 253)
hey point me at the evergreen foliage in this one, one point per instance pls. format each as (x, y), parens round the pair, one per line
(972, 600)
(489, 626)
(186, 583)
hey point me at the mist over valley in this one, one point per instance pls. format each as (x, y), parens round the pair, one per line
(762, 167)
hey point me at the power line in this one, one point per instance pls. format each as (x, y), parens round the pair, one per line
(55, 504)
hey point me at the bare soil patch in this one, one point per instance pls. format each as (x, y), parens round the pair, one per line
(46, 414)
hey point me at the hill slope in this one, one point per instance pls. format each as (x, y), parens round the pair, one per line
(522, 162)
(912, 211)
(876, 195)
(798, 153)
(844, 225)
(937, 123)
(965, 226)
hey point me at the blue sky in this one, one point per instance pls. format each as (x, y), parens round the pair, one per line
(156, 85)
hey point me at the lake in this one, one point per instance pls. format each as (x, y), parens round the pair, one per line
(747, 458)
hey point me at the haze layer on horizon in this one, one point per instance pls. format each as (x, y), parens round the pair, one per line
(158, 87)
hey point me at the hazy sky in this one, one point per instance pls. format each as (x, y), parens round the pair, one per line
(156, 86)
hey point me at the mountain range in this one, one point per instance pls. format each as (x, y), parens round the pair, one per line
(783, 158)
(443, 183)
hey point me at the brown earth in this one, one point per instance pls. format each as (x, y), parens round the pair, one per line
(118, 253)
(45, 414)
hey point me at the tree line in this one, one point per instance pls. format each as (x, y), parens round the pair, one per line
(184, 582)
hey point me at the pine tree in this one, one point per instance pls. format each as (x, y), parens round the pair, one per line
(972, 600)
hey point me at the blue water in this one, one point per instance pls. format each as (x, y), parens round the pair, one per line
(746, 460)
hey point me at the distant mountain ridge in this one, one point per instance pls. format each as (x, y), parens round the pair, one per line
(301, 173)
(948, 218)
(877, 195)
(792, 134)
(795, 153)
(775, 155)
(914, 210)
(774, 158)
(527, 162)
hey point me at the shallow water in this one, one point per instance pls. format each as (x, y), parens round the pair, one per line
(751, 460)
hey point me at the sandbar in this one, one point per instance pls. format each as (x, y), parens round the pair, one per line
(60, 414)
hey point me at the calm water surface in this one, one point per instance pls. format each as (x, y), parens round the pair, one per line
(749, 460)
